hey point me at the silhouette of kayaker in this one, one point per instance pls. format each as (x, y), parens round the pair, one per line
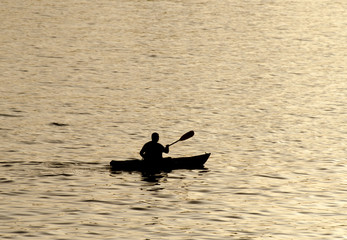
(153, 151)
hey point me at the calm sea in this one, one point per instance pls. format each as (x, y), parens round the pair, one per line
(263, 83)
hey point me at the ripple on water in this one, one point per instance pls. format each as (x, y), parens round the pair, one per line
(10, 115)
(5, 180)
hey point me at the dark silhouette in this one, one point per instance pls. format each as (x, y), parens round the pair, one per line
(153, 151)
(59, 124)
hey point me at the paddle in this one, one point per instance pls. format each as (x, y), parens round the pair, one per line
(184, 137)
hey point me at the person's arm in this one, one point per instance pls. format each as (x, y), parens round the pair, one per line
(166, 149)
(142, 152)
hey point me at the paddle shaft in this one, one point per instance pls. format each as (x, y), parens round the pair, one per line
(174, 142)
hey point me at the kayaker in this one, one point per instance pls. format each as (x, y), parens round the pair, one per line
(153, 151)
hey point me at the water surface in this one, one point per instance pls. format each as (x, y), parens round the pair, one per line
(262, 83)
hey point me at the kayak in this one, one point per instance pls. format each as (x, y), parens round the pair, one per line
(167, 164)
(194, 162)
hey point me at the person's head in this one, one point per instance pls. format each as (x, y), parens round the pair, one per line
(155, 137)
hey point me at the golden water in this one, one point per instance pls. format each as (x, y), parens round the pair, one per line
(262, 83)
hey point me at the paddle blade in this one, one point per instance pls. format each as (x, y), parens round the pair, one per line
(187, 135)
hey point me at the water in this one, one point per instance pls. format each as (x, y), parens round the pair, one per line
(262, 83)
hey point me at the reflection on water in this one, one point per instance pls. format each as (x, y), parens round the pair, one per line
(152, 177)
(262, 83)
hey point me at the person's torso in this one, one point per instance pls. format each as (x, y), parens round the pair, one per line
(153, 151)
